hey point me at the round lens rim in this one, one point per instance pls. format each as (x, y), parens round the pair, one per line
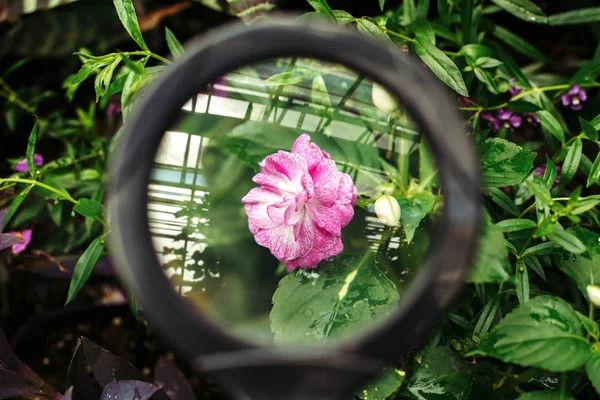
(236, 45)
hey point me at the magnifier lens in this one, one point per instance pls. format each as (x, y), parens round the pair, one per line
(293, 202)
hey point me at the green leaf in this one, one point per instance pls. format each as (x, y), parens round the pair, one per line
(292, 77)
(410, 11)
(571, 163)
(14, 206)
(539, 189)
(349, 293)
(31, 142)
(320, 98)
(594, 174)
(384, 386)
(545, 395)
(551, 125)
(381, 4)
(414, 209)
(515, 224)
(343, 17)
(487, 62)
(533, 263)
(491, 263)
(588, 73)
(522, 282)
(371, 29)
(545, 332)
(88, 207)
(523, 107)
(103, 79)
(566, 240)
(322, 8)
(575, 17)
(542, 249)
(588, 129)
(441, 65)
(487, 79)
(523, 9)
(473, 52)
(504, 163)
(126, 12)
(84, 266)
(502, 199)
(583, 268)
(174, 45)
(589, 325)
(442, 374)
(516, 42)
(592, 369)
(427, 167)
(488, 313)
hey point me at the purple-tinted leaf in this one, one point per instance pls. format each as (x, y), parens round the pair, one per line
(15, 385)
(106, 366)
(83, 383)
(129, 390)
(68, 394)
(10, 361)
(7, 240)
(2, 216)
(172, 380)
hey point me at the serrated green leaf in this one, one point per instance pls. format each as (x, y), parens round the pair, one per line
(551, 125)
(544, 332)
(173, 43)
(588, 129)
(566, 240)
(414, 209)
(575, 17)
(523, 9)
(504, 163)
(84, 267)
(128, 17)
(31, 142)
(571, 163)
(88, 207)
(350, 292)
(515, 224)
(14, 206)
(594, 173)
(441, 65)
(491, 263)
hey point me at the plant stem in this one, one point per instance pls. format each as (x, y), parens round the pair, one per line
(147, 54)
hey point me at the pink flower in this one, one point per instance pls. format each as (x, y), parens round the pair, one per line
(23, 167)
(25, 234)
(301, 206)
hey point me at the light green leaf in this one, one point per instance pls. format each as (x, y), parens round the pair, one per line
(504, 163)
(31, 142)
(320, 98)
(349, 293)
(491, 263)
(322, 8)
(103, 79)
(371, 29)
(587, 128)
(442, 374)
(174, 45)
(440, 64)
(583, 268)
(14, 206)
(126, 12)
(551, 125)
(566, 240)
(571, 163)
(539, 189)
(522, 282)
(381, 4)
(410, 11)
(575, 17)
(384, 386)
(515, 224)
(84, 266)
(594, 174)
(589, 325)
(523, 9)
(545, 332)
(414, 209)
(592, 369)
(88, 207)
(292, 77)
(343, 17)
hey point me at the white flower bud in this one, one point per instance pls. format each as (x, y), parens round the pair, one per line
(387, 210)
(383, 99)
(593, 293)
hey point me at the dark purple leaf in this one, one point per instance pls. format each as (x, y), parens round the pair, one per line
(7, 240)
(106, 366)
(15, 385)
(129, 390)
(10, 361)
(172, 380)
(84, 385)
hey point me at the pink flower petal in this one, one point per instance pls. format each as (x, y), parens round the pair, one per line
(325, 217)
(256, 203)
(38, 159)
(281, 241)
(287, 164)
(22, 166)
(309, 151)
(326, 179)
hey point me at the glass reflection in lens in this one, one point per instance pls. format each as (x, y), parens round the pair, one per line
(347, 186)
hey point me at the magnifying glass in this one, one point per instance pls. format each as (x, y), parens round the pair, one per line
(295, 205)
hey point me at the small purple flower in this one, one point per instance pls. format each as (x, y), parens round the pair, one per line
(574, 97)
(25, 234)
(495, 122)
(542, 170)
(532, 118)
(513, 90)
(114, 107)
(23, 167)
(508, 119)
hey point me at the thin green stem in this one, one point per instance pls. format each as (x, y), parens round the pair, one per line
(147, 54)
(399, 35)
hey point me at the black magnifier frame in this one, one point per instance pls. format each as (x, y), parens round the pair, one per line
(236, 45)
